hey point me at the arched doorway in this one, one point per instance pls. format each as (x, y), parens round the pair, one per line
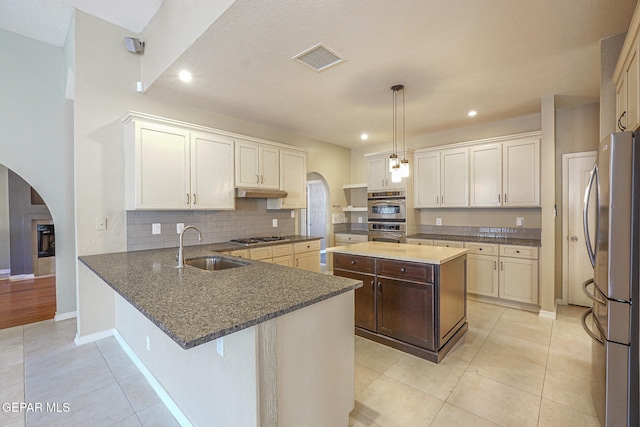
(27, 254)
(317, 219)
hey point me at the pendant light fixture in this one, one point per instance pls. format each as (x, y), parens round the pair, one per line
(399, 168)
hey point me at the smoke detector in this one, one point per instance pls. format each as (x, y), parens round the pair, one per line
(319, 57)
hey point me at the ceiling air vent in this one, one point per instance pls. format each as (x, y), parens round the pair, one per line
(318, 57)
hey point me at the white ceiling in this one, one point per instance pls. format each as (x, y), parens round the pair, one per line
(498, 57)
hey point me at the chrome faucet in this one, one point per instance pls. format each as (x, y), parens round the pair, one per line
(181, 248)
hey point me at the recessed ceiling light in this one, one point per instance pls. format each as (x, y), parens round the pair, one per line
(185, 76)
(364, 137)
(472, 113)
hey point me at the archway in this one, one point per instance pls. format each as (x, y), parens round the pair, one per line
(27, 253)
(317, 218)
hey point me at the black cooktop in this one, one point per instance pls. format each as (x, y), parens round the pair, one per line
(250, 241)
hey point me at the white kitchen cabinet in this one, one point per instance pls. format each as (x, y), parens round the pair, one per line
(508, 272)
(175, 168)
(448, 243)
(505, 174)
(485, 175)
(342, 239)
(307, 255)
(293, 180)
(442, 178)
(482, 274)
(427, 179)
(521, 173)
(626, 76)
(257, 165)
(420, 242)
(379, 176)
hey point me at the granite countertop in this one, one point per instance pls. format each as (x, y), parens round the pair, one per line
(478, 239)
(401, 252)
(194, 306)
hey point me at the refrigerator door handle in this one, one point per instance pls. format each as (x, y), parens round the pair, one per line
(589, 332)
(590, 295)
(585, 216)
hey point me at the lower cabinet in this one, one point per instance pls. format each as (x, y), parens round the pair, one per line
(307, 255)
(508, 272)
(415, 307)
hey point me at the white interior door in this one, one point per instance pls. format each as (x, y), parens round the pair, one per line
(578, 266)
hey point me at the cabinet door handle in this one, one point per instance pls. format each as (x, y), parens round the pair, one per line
(297, 260)
(257, 179)
(373, 286)
(495, 265)
(188, 198)
(261, 179)
(380, 287)
(195, 200)
(499, 198)
(437, 200)
(620, 125)
(501, 266)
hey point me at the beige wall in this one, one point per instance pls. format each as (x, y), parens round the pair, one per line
(36, 123)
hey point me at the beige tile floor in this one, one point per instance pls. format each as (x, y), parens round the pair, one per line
(512, 368)
(40, 364)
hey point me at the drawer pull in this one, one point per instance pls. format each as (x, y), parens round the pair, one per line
(380, 287)
(353, 262)
(517, 252)
(373, 286)
(403, 270)
(479, 249)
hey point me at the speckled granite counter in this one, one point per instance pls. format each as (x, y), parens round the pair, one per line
(478, 239)
(194, 306)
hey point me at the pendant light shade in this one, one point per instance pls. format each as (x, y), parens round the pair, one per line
(398, 168)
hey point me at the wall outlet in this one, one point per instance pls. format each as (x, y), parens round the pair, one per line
(147, 343)
(101, 224)
(275, 222)
(156, 228)
(359, 220)
(179, 227)
(438, 221)
(293, 213)
(520, 221)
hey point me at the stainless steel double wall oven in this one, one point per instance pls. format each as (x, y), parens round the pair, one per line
(387, 216)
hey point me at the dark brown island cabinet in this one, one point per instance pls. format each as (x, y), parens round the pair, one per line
(418, 308)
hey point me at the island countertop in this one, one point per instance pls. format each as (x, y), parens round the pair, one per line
(401, 252)
(194, 306)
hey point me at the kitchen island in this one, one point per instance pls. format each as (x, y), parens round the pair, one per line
(259, 344)
(413, 298)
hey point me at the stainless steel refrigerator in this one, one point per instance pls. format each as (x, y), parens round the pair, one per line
(613, 247)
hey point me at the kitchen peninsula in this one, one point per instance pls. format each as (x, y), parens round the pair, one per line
(259, 344)
(413, 298)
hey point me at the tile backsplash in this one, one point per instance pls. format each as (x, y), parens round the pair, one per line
(251, 218)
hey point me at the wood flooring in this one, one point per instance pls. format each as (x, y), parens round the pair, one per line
(27, 301)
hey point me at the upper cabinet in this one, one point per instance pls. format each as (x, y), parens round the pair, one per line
(293, 180)
(172, 167)
(257, 165)
(378, 174)
(505, 173)
(626, 77)
(480, 174)
(441, 178)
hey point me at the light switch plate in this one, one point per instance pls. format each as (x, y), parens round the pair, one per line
(438, 221)
(520, 221)
(359, 220)
(156, 228)
(275, 222)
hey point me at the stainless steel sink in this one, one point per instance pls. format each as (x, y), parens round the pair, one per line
(214, 263)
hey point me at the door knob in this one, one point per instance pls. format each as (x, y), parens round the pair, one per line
(574, 239)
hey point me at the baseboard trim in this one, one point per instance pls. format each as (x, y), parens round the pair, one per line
(180, 417)
(65, 316)
(86, 339)
(22, 277)
(547, 314)
(5, 274)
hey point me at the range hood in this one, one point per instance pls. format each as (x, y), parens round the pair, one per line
(260, 193)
